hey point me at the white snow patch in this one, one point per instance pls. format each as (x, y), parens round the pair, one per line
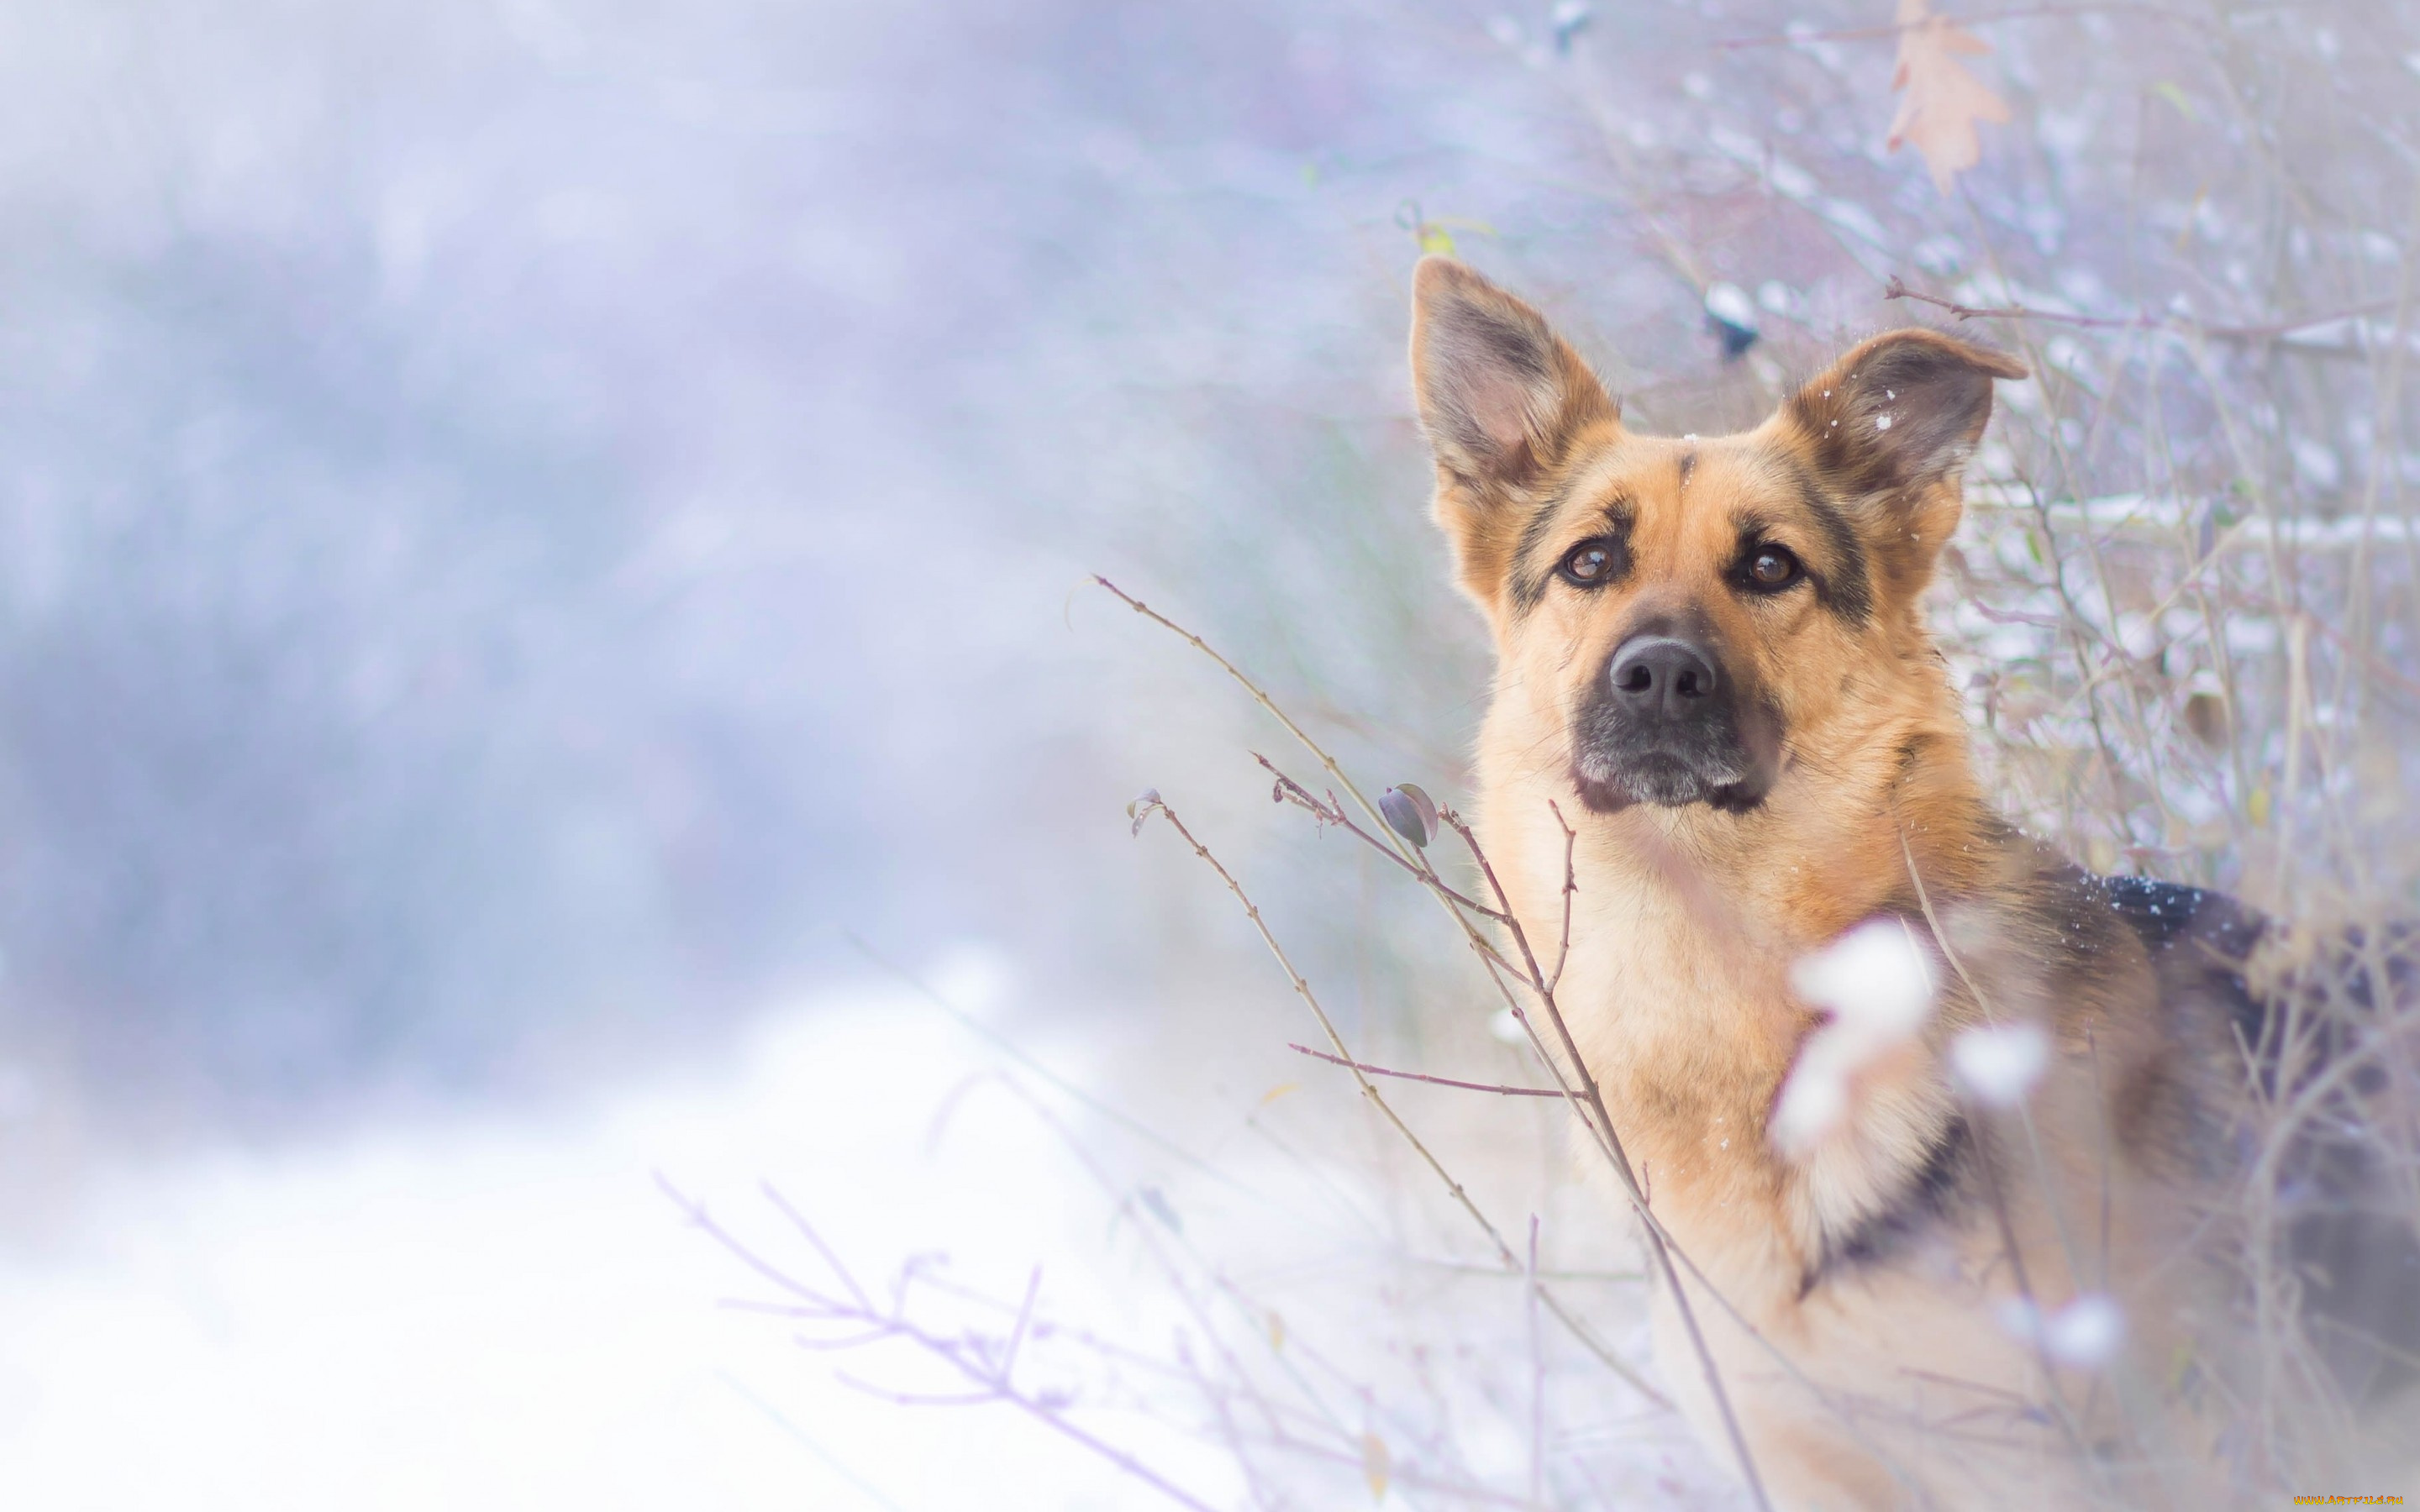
(2000, 1063)
(1729, 301)
(1792, 181)
(504, 1312)
(2085, 1334)
(1877, 983)
(2317, 463)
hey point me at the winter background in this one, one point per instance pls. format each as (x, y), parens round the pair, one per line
(547, 650)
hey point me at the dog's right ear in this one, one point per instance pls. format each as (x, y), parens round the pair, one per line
(1503, 400)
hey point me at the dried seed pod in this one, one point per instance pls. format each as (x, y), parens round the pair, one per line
(2205, 715)
(1142, 807)
(1410, 814)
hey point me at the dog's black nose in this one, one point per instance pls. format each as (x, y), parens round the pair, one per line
(1657, 676)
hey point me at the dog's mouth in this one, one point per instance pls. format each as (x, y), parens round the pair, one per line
(1664, 783)
(1729, 768)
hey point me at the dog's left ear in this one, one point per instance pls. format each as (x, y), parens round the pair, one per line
(1888, 430)
(1504, 402)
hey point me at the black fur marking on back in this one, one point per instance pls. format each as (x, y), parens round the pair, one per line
(2352, 1249)
(1929, 1196)
(2197, 941)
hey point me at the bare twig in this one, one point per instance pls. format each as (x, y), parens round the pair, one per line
(1302, 989)
(1537, 1378)
(1332, 812)
(1994, 1191)
(1335, 768)
(1571, 886)
(1462, 1198)
(1876, 33)
(1658, 1242)
(967, 1357)
(1435, 1081)
(1894, 290)
(1017, 1055)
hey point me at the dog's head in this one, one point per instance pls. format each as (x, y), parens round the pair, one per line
(1677, 608)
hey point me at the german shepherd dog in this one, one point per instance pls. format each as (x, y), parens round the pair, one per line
(1710, 660)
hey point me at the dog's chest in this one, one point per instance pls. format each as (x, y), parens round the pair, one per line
(1688, 1027)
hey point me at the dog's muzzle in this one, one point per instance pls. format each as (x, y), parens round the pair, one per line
(1665, 726)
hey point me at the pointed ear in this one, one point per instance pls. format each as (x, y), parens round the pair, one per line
(1502, 399)
(1901, 412)
(1888, 430)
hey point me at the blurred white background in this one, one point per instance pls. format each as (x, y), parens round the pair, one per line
(542, 541)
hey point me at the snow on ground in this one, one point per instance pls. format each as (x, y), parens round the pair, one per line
(500, 1311)
(509, 1313)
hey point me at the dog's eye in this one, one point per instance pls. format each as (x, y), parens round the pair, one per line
(1772, 567)
(1590, 565)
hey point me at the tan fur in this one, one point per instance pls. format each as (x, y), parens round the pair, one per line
(1688, 919)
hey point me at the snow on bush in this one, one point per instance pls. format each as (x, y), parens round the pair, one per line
(1877, 984)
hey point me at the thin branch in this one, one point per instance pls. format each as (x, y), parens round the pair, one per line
(1571, 886)
(1435, 1081)
(1537, 1380)
(771, 1273)
(1504, 1252)
(1876, 34)
(1657, 1242)
(1303, 990)
(919, 1398)
(1024, 1322)
(1994, 1191)
(1417, 859)
(1894, 290)
(1332, 812)
(798, 1221)
(962, 1354)
(1335, 768)
(1009, 1049)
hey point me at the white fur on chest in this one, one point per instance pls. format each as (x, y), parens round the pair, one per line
(1677, 994)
